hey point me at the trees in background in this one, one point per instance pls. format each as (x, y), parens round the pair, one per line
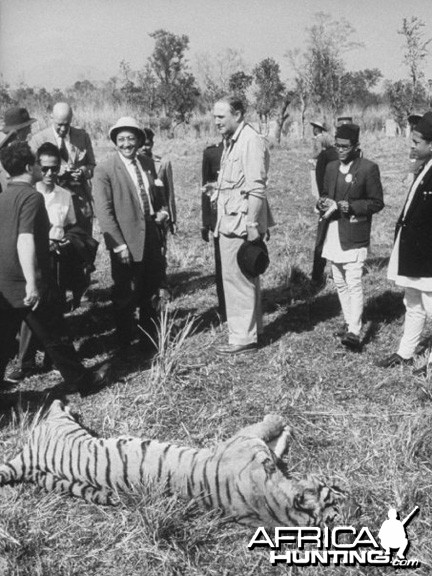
(165, 91)
(411, 94)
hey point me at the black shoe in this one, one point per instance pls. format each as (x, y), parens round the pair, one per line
(351, 341)
(394, 360)
(15, 376)
(234, 349)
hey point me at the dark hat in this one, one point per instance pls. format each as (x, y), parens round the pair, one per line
(349, 132)
(126, 123)
(424, 126)
(414, 118)
(344, 120)
(15, 119)
(253, 258)
(319, 125)
(149, 134)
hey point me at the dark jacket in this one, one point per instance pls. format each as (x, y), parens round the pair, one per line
(415, 249)
(324, 157)
(365, 197)
(210, 168)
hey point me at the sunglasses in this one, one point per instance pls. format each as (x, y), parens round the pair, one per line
(46, 169)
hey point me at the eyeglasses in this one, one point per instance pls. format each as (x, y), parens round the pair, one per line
(46, 169)
(343, 146)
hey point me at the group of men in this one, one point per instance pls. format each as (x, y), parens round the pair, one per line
(36, 213)
(135, 208)
(351, 192)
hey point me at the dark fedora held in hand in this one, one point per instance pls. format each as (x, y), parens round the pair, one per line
(253, 258)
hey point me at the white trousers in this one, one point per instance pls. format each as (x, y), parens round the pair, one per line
(242, 295)
(418, 306)
(347, 277)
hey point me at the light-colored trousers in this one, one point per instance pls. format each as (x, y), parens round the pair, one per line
(242, 295)
(418, 306)
(347, 277)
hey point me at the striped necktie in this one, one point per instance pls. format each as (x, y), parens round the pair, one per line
(142, 189)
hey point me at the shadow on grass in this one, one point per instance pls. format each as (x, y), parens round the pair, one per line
(24, 401)
(302, 316)
(184, 283)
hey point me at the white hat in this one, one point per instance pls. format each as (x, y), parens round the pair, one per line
(125, 123)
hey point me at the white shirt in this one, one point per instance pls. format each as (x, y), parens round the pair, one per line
(59, 206)
(424, 284)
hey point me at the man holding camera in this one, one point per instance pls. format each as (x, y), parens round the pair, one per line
(77, 160)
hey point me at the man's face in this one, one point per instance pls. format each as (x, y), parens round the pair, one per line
(127, 143)
(49, 167)
(61, 123)
(344, 148)
(226, 121)
(420, 148)
(148, 147)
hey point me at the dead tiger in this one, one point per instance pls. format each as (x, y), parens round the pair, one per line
(243, 476)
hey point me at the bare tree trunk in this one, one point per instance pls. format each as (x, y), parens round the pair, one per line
(282, 116)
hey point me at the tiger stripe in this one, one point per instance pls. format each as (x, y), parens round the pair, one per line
(242, 477)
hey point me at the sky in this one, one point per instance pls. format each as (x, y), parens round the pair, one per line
(53, 43)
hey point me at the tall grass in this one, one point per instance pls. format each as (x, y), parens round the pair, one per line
(366, 428)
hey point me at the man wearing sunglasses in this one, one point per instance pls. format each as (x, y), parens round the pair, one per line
(67, 270)
(352, 194)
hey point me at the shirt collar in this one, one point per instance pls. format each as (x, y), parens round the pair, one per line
(58, 138)
(237, 132)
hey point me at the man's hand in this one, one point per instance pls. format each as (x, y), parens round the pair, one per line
(161, 217)
(252, 232)
(124, 256)
(76, 174)
(32, 296)
(343, 206)
(205, 234)
(209, 188)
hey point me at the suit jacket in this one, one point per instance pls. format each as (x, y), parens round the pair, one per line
(365, 197)
(118, 210)
(415, 247)
(81, 153)
(210, 169)
(324, 157)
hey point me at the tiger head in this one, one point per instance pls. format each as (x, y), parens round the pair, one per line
(266, 494)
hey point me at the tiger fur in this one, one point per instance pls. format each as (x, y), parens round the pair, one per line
(242, 477)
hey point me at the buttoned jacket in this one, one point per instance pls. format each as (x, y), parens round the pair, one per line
(243, 173)
(118, 209)
(415, 245)
(364, 194)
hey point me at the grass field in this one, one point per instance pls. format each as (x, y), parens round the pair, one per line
(366, 429)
